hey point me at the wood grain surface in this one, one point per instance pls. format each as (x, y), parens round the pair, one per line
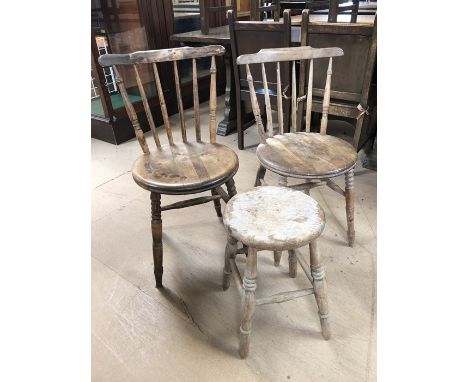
(274, 218)
(307, 155)
(185, 168)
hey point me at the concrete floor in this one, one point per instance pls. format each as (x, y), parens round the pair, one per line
(188, 331)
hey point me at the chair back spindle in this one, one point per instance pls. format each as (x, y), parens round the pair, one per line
(279, 98)
(309, 96)
(306, 54)
(267, 102)
(162, 104)
(196, 101)
(326, 100)
(213, 101)
(255, 107)
(180, 104)
(146, 106)
(293, 99)
(152, 58)
(132, 115)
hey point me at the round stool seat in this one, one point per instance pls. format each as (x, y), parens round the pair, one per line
(274, 218)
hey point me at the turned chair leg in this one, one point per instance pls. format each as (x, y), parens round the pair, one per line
(260, 175)
(229, 253)
(320, 288)
(277, 256)
(217, 204)
(156, 230)
(231, 187)
(292, 263)
(349, 194)
(248, 302)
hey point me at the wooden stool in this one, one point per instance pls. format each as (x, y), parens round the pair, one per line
(274, 219)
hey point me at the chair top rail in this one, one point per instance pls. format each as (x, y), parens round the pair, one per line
(254, 25)
(288, 54)
(162, 55)
(364, 29)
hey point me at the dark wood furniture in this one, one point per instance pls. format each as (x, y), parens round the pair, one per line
(353, 96)
(176, 168)
(137, 25)
(259, 7)
(213, 12)
(274, 219)
(334, 7)
(250, 37)
(314, 157)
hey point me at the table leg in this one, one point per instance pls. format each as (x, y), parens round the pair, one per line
(228, 124)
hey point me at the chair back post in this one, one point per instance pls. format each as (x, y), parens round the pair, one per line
(369, 71)
(278, 55)
(206, 10)
(257, 9)
(152, 58)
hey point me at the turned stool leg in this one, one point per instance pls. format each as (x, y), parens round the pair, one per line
(349, 194)
(231, 188)
(260, 175)
(292, 263)
(283, 182)
(248, 302)
(217, 204)
(156, 230)
(320, 288)
(230, 252)
(277, 255)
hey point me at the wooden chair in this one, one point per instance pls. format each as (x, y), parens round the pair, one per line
(353, 96)
(212, 10)
(249, 37)
(259, 7)
(176, 168)
(314, 157)
(335, 8)
(274, 219)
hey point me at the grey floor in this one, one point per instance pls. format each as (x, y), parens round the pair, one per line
(188, 331)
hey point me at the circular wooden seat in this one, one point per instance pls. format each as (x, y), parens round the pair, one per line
(274, 218)
(307, 155)
(185, 168)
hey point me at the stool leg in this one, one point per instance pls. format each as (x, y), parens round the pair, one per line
(283, 181)
(320, 288)
(349, 194)
(292, 263)
(277, 255)
(156, 230)
(230, 252)
(248, 302)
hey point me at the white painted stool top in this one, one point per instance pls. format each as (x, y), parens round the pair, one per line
(274, 218)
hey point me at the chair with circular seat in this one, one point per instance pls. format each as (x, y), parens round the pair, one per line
(275, 219)
(176, 168)
(313, 157)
